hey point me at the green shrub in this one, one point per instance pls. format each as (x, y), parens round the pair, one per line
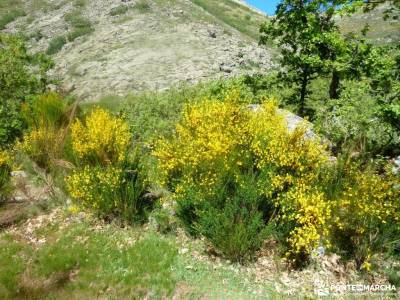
(233, 220)
(353, 120)
(10, 16)
(142, 6)
(56, 44)
(78, 32)
(11, 123)
(163, 220)
(21, 74)
(21, 77)
(119, 10)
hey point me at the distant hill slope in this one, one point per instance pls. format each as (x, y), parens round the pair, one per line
(114, 47)
(104, 47)
(381, 31)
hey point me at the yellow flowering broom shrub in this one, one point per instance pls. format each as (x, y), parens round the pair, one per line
(365, 212)
(5, 170)
(47, 118)
(96, 187)
(109, 176)
(218, 143)
(43, 145)
(101, 138)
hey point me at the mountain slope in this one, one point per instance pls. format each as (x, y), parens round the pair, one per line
(114, 47)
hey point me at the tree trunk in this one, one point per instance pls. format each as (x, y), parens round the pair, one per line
(334, 88)
(303, 93)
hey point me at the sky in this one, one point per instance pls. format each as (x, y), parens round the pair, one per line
(267, 6)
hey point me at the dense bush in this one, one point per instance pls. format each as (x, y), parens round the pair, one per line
(216, 144)
(21, 77)
(233, 219)
(110, 178)
(353, 120)
(11, 123)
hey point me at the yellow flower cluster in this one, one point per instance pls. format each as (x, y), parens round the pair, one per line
(368, 202)
(102, 138)
(309, 210)
(273, 144)
(4, 171)
(95, 187)
(43, 145)
(216, 138)
(4, 158)
(205, 140)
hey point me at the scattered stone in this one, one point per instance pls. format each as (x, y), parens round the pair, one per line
(19, 199)
(20, 174)
(183, 251)
(212, 34)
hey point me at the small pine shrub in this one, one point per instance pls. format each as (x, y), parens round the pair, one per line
(119, 10)
(56, 44)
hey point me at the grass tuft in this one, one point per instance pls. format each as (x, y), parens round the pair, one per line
(119, 10)
(56, 44)
(142, 6)
(10, 16)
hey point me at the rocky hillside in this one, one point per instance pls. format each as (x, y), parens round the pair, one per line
(104, 47)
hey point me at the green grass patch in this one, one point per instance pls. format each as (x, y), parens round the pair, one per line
(81, 26)
(10, 16)
(142, 6)
(102, 262)
(235, 15)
